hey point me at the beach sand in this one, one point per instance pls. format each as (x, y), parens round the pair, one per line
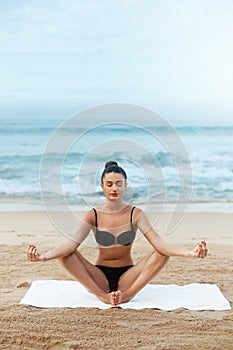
(25, 327)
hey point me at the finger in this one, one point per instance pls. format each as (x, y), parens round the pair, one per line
(35, 254)
(202, 245)
(199, 250)
(33, 249)
(32, 253)
(29, 253)
(204, 250)
(30, 248)
(203, 242)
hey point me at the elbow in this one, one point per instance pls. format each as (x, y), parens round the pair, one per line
(163, 254)
(161, 251)
(158, 258)
(160, 248)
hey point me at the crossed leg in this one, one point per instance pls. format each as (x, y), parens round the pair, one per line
(134, 279)
(129, 284)
(88, 275)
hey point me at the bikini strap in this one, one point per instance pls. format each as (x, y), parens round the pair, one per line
(131, 215)
(96, 222)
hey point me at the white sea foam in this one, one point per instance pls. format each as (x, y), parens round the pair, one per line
(22, 145)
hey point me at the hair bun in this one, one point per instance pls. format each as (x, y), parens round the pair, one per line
(110, 163)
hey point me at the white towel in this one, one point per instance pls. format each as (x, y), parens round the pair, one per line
(71, 294)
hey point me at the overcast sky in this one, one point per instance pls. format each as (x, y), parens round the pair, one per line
(174, 56)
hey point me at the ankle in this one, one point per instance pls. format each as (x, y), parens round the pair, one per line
(127, 295)
(101, 294)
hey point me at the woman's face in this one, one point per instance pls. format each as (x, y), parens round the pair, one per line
(114, 186)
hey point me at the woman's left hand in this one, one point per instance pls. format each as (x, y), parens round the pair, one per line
(200, 251)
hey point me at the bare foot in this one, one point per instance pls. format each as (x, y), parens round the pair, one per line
(106, 298)
(119, 297)
(115, 298)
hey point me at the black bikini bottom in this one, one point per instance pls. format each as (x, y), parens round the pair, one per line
(113, 275)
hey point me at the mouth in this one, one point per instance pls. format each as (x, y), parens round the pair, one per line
(114, 194)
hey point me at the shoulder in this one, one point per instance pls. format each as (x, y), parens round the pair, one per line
(137, 213)
(89, 217)
(140, 216)
(142, 220)
(136, 209)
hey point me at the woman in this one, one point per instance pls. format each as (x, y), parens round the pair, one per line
(114, 279)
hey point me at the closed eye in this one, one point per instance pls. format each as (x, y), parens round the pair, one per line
(118, 183)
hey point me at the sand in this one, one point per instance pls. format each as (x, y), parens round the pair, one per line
(25, 327)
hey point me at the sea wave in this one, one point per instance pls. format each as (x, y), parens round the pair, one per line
(23, 151)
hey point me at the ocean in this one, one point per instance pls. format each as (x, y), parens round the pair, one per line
(30, 171)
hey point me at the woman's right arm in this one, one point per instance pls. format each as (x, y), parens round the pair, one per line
(66, 248)
(58, 252)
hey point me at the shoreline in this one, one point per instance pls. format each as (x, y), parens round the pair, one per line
(193, 207)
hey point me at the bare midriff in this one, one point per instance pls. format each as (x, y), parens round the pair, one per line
(116, 256)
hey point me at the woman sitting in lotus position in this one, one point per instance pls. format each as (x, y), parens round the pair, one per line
(115, 279)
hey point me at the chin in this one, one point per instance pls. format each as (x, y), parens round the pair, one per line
(113, 198)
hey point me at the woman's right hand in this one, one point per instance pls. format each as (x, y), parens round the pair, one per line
(33, 254)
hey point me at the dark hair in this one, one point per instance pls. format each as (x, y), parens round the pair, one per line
(113, 167)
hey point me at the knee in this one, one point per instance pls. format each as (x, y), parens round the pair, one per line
(62, 260)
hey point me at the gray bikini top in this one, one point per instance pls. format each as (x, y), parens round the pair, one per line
(107, 239)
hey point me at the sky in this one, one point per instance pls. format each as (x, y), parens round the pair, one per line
(173, 56)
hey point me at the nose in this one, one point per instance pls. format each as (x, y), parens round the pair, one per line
(114, 187)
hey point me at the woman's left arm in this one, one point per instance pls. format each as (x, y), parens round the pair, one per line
(200, 251)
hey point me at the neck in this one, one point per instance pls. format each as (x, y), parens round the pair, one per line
(113, 206)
